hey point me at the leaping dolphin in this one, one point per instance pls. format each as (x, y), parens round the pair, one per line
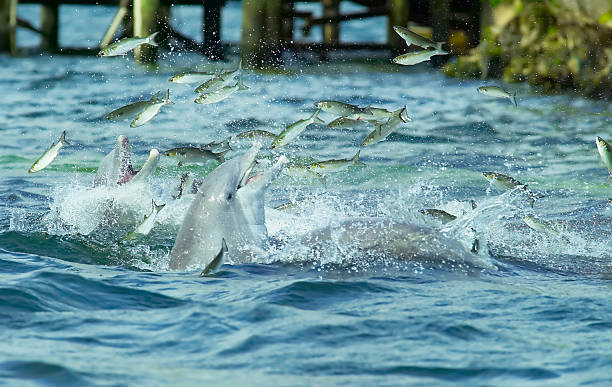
(116, 167)
(229, 205)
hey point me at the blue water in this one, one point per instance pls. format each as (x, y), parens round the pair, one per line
(77, 307)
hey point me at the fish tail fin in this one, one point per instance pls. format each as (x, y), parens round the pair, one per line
(62, 139)
(316, 119)
(241, 86)
(439, 46)
(166, 98)
(475, 246)
(151, 39)
(223, 245)
(226, 143)
(157, 208)
(473, 203)
(221, 156)
(356, 158)
(514, 99)
(155, 97)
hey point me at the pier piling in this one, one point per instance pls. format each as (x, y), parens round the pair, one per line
(145, 23)
(440, 16)
(8, 26)
(261, 43)
(49, 26)
(398, 16)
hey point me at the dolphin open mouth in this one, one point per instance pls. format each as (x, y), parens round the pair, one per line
(248, 161)
(126, 171)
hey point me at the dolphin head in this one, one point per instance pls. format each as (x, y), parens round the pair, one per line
(226, 207)
(116, 167)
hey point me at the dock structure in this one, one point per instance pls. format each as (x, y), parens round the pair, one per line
(268, 26)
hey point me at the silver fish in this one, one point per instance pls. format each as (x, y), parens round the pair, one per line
(347, 123)
(126, 45)
(191, 77)
(330, 166)
(605, 152)
(147, 223)
(440, 215)
(302, 172)
(131, 109)
(219, 80)
(505, 182)
(256, 135)
(416, 39)
(416, 57)
(546, 227)
(343, 109)
(217, 261)
(221, 94)
(195, 155)
(378, 114)
(384, 129)
(49, 155)
(295, 129)
(497, 92)
(151, 110)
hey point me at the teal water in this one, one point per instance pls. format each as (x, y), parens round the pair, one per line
(78, 307)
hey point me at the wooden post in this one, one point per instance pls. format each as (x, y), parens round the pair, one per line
(145, 23)
(253, 25)
(331, 31)
(8, 26)
(49, 25)
(486, 21)
(398, 16)
(440, 15)
(273, 27)
(287, 26)
(115, 23)
(212, 29)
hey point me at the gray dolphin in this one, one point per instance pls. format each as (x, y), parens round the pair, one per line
(229, 205)
(116, 167)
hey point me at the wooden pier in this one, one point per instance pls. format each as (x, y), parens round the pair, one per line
(267, 25)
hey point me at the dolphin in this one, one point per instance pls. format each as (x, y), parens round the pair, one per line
(228, 205)
(116, 167)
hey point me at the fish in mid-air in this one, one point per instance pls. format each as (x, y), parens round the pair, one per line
(330, 166)
(343, 109)
(416, 57)
(126, 45)
(506, 182)
(438, 214)
(347, 123)
(191, 77)
(195, 155)
(546, 227)
(151, 110)
(256, 135)
(131, 109)
(217, 261)
(605, 152)
(147, 223)
(219, 80)
(294, 130)
(49, 155)
(220, 94)
(383, 129)
(498, 92)
(416, 39)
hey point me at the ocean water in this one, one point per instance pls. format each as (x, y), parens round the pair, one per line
(79, 306)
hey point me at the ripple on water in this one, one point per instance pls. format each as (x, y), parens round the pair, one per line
(42, 372)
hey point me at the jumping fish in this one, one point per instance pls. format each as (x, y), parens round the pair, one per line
(347, 123)
(131, 109)
(440, 215)
(217, 261)
(497, 92)
(151, 110)
(219, 80)
(221, 94)
(505, 182)
(50, 154)
(297, 171)
(126, 45)
(416, 39)
(147, 223)
(384, 129)
(191, 77)
(416, 57)
(378, 114)
(343, 109)
(294, 130)
(545, 227)
(605, 152)
(217, 146)
(331, 166)
(195, 155)
(256, 135)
